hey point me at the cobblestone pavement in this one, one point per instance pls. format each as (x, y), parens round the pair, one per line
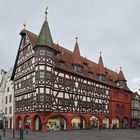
(120, 134)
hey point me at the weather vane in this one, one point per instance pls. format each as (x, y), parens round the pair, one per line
(46, 12)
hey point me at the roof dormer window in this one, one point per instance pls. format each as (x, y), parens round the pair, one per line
(77, 68)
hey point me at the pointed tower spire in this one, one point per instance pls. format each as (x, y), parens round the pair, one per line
(121, 75)
(45, 38)
(101, 69)
(76, 53)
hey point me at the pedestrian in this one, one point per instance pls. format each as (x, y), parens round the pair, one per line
(113, 127)
(100, 127)
(27, 128)
(138, 127)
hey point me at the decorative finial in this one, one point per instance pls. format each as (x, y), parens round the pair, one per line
(100, 53)
(24, 26)
(46, 12)
(76, 38)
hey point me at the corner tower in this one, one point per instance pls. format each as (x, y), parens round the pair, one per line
(44, 64)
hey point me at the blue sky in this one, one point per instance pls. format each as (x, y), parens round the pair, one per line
(110, 26)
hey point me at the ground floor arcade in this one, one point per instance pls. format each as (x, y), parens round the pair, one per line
(66, 121)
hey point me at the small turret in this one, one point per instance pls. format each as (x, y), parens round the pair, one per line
(101, 69)
(121, 81)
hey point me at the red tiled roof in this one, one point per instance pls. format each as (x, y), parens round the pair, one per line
(74, 57)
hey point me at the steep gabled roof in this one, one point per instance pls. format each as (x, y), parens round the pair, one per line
(68, 56)
(32, 37)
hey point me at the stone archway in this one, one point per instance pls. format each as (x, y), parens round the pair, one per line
(94, 122)
(105, 122)
(78, 122)
(37, 125)
(56, 123)
(125, 123)
(27, 118)
(116, 122)
(18, 122)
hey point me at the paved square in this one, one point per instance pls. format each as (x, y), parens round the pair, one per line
(120, 134)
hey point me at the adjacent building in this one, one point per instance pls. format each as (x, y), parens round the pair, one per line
(54, 86)
(6, 99)
(135, 107)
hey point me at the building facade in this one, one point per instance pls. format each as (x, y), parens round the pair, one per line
(6, 99)
(57, 88)
(135, 108)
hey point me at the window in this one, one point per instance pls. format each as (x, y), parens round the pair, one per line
(61, 80)
(60, 101)
(8, 89)
(10, 98)
(5, 110)
(10, 110)
(61, 64)
(48, 98)
(6, 100)
(48, 75)
(41, 98)
(49, 53)
(42, 52)
(42, 74)
(77, 69)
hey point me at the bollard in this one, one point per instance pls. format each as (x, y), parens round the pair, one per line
(0, 137)
(21, 133)
(13, 133)
(3, 132)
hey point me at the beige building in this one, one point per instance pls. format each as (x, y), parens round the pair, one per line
(6, 99)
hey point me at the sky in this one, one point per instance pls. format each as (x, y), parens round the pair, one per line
(109, 26)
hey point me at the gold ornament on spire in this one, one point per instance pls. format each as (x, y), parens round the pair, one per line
(24, 26)
(76, 39)
(100, 53)
(46, 13)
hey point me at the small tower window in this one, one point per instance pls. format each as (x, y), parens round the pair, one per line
(49, 53)
(41, 52)
(42, 74)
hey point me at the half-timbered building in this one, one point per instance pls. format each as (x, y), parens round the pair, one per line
(56, 88)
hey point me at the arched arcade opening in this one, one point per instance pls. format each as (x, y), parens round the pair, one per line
(106, 122)
(57, 123)
(37, 123)
(124, 123)
(78, 122)
(116, 122)
(94, 122)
